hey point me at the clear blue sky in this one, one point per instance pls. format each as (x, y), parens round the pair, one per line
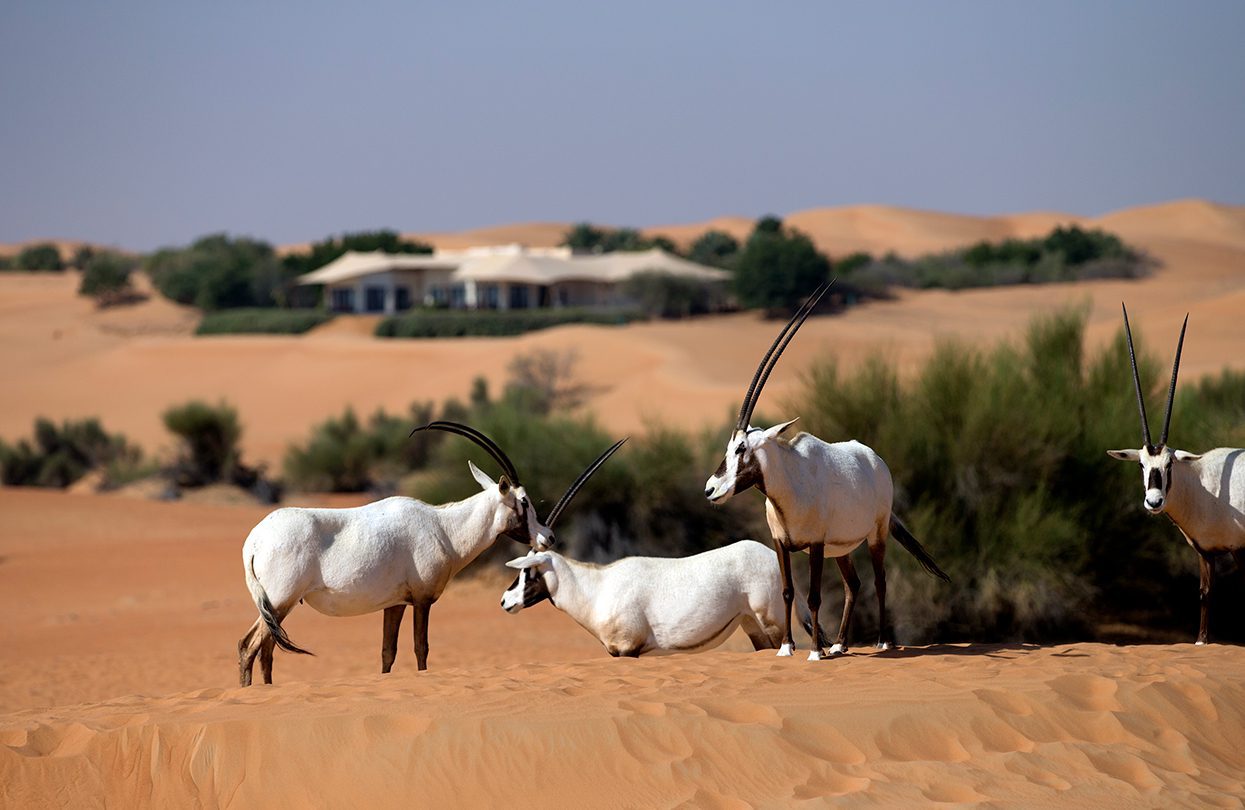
(149, 123)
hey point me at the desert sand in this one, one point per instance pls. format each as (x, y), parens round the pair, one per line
(118, 673)
(117, 688)
(127, 365)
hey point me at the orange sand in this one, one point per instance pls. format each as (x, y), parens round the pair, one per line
(122, 615)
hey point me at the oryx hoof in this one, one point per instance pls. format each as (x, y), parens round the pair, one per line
(838, 649)
(814, 654)
(784, 651)
(1201, 642)
(883, 646)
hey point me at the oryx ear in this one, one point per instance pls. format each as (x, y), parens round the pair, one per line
(776, 430)
(1125, 455)
(1184, 455)
(532, 558)
(483, 480)
(504, 485)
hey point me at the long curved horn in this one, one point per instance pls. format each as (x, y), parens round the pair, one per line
(1171, 392)
(573, 489)
(771, 357)
(479, 438)
(1141, 404)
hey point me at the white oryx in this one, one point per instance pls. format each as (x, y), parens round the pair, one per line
(382, 556)
(826, 498)
(1203, 494)
(641, 605)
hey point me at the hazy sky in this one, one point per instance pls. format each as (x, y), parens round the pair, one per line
(151, 123)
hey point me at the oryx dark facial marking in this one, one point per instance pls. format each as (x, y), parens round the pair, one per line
(528, 589)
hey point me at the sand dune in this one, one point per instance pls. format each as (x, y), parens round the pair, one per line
(117, 689)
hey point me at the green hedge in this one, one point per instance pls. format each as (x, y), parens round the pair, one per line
(493, 323)
(261, 321)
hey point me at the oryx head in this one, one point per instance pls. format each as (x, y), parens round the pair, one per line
(741, 465)
(1156, 460)
(517, 517)
(536, 576)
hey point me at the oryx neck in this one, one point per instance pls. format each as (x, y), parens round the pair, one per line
(469, 525)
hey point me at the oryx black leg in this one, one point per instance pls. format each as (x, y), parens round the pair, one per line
(389, 642)
(421, 634)
(816, 557)
(1208, 584)
(788, 598)
(851, 585)
(886, 634)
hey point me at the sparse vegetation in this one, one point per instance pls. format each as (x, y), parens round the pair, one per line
(60, 455)
(715, 248)
(106, 278)
(209, 436)
(261, 321)
(665, 295)
(345, 455)
(44, 256)
(778, 267)
(585, 236)
(220, 272)
(494, 323)
(1066, 254)
(322, 252)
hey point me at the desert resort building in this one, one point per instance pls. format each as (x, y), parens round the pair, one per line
(500, 277)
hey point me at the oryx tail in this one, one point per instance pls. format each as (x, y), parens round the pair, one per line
(268, 613)
(915, 548)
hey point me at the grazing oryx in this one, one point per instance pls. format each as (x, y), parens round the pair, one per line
(1204, 495)
(644, 605)
(383, 556)
(827, 498)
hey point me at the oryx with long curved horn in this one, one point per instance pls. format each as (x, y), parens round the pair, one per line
(1204, 495)
(382, 556)
(826, 498)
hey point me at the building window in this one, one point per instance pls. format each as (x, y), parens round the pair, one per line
(403, 296)
(343, 299)
(518, 296)
(374, 299)
(458, 296)
(487, 296)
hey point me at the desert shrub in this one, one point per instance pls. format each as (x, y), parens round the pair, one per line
(106, 278)
(585, 236)
(45, 256)
(1000, 468)
(6, 263)
(60, 455)
(261, 321)
(542, 381)
(209, 437)
(220, 272)
(714, 248)
(345, 455)
(1066, 254)
(778, 267)
(82, 257)
(322, 252)
(664, 295)
(494, 323)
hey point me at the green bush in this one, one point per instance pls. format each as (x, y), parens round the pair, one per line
(261, 321)
(59, 456)
(45, 256)
(778, 268)
(322, 252)
(1000, 469)
(493, 323)
(106, 278)
(585, 236)
(209, 437)
(344, 455)
(715, 248)
(220, 272)
(664, 295)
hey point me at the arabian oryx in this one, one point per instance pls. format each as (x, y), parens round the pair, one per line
(641, 605)
(382, 556)
(1204, 495)
(827, 498)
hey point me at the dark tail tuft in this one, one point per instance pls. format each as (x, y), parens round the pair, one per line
(269, 615)
(914, 548)
(823, 641)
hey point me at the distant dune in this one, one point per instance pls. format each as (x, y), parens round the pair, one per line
(117, 688)
(127, 365)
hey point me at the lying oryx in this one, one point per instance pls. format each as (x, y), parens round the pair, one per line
(382, 556)
(1204, 495)
(641, 605)
(827, 498)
